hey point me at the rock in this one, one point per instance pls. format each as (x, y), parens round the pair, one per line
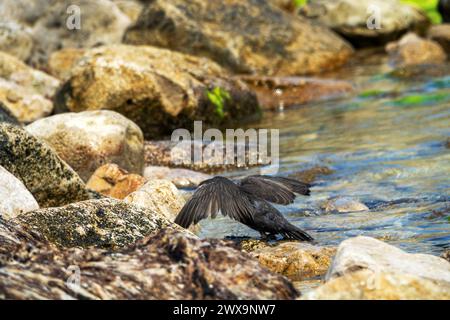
(101, 23)
(103, 223)
(245, 37)
(61, 62)
(411, 50)
(344, 204)
(286, 5)
(444, 10)
(158, 89)
(295, 260)
(365, 253)
(276, 93)
(112, 181)
(132, 8)
(6, 115)
(311, 175)
(88, 140)
(441, 34)
(49, 179)
(14, 197)
(382, 285)
(170, 265)
(181, 178)
(170, 154)
(352, 18)
(446, 255)
(160, 196)
(15, 41)
(420, 72)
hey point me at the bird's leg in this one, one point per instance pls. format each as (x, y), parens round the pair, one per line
(263, 236)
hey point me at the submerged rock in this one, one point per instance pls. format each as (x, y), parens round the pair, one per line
(88, 140)
(344, 204)
(159, 90)
(103, 223)
(170, 265)
(14, 197)
(295, 260)
(364, 253)
(367, 22)
(275, 93)
(112, 181)
(441, 34)
(49, 179)
(411, 50)
(181, 178)
(244, 36)
(382, 285)
(311, 175)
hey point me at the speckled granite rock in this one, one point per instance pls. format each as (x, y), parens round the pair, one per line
(14, 197)
(6, 115)
(181, 178)
(90, 139)
(49, 179)
(244, 36)
(104, 223)
(113, 181)
(169, 265)
(158, 89)
(15, 40)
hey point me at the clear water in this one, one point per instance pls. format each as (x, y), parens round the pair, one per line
(387, 147)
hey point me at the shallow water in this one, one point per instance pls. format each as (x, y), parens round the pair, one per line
(386, 144)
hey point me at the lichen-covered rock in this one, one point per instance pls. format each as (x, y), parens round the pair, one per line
(181, 178)
(88, 140)
(61, 62)
(244, 36)
(159, 90)
(160, 196)
(49, 179)
(357, 20)
(295, 260)
(441, 34)
(383, 285)
(6, 115)
(411, 50)
(103, 223)
(14, 197)
(15, 40)
(365, 253)
(344, 204)
(101, 23)
(170, 265)
(112, 181)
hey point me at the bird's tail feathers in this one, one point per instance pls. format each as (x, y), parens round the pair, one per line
(294, 233)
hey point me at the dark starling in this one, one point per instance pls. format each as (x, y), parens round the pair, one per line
(247, 201)
(444, 10)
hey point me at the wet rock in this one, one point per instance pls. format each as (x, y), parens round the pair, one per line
(49, 179)
(160, 196)
(446, 255)
(101, 23)
(441, 34)
(6, 115)
(158, 89)
(295, 260)
(171, 154)
(169, 265)
(112, 181)
(365, 253)
(103, 223)
(276, 93)
(352, 18)
(411, 50)
(382, 285)
(344, 204)
(87, 140)
(181, 178)
(61, 62)
(421, 72)
(311, 175)
(14, 197)
(15, 40)
(245, 37)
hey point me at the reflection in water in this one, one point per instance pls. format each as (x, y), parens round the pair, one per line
(387, 147)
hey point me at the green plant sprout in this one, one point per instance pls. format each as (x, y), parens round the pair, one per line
(218, 96)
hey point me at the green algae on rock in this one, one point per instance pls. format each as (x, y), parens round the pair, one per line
(104, 223)
(158, 89)
(49, 179)
(243, 36)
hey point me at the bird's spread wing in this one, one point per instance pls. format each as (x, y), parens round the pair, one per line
(274, 189)
(216, 195)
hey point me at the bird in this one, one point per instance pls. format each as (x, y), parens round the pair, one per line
(444, 10)
(249, 202)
